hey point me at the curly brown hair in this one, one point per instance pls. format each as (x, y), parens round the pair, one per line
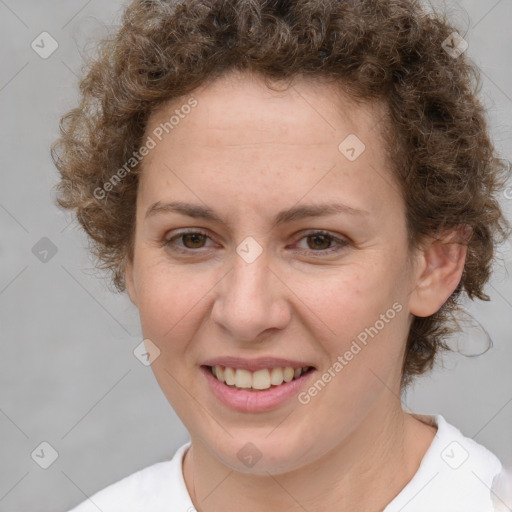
(390, 51)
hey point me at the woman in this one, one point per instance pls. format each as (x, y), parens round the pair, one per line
(295, 195)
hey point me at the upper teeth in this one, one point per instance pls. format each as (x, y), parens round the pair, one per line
(260, 379)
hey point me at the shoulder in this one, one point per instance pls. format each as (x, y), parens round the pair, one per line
(455, 475)
(155, 488)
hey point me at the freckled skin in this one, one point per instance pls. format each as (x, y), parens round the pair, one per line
(248, 153)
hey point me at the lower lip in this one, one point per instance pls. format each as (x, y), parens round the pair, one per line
(255, 401)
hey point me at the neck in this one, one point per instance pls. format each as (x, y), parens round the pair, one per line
(365, 471)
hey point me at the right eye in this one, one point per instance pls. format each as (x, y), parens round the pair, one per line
(192, 240)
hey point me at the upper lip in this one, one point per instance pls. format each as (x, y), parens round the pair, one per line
(254, 364)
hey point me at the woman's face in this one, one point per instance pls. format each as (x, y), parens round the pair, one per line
(254, 288)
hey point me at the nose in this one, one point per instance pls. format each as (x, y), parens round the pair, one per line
(251, 300)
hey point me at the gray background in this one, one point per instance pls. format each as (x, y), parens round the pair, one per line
(67, 372)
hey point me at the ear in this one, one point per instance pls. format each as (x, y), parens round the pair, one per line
(128, 279)
(440, 263)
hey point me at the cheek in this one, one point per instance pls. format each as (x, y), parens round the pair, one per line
(169, 298)
(337, 305)
(349, 300)
(359, 315)
(364, 343)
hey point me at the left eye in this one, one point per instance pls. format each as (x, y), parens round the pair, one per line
(196, 240)
(323, 242)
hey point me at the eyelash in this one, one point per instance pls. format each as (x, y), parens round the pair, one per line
(342, 243)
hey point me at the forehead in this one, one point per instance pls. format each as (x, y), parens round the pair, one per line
(272, 143)
(238, 109)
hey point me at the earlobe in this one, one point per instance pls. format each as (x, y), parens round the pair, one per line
(439, 270)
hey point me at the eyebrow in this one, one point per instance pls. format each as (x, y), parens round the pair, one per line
(285, 216)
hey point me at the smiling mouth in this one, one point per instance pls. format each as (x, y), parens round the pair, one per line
(259, 380)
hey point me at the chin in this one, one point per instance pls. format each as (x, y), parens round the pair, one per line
(258, 453)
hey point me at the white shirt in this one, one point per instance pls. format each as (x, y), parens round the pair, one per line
(455, 475)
